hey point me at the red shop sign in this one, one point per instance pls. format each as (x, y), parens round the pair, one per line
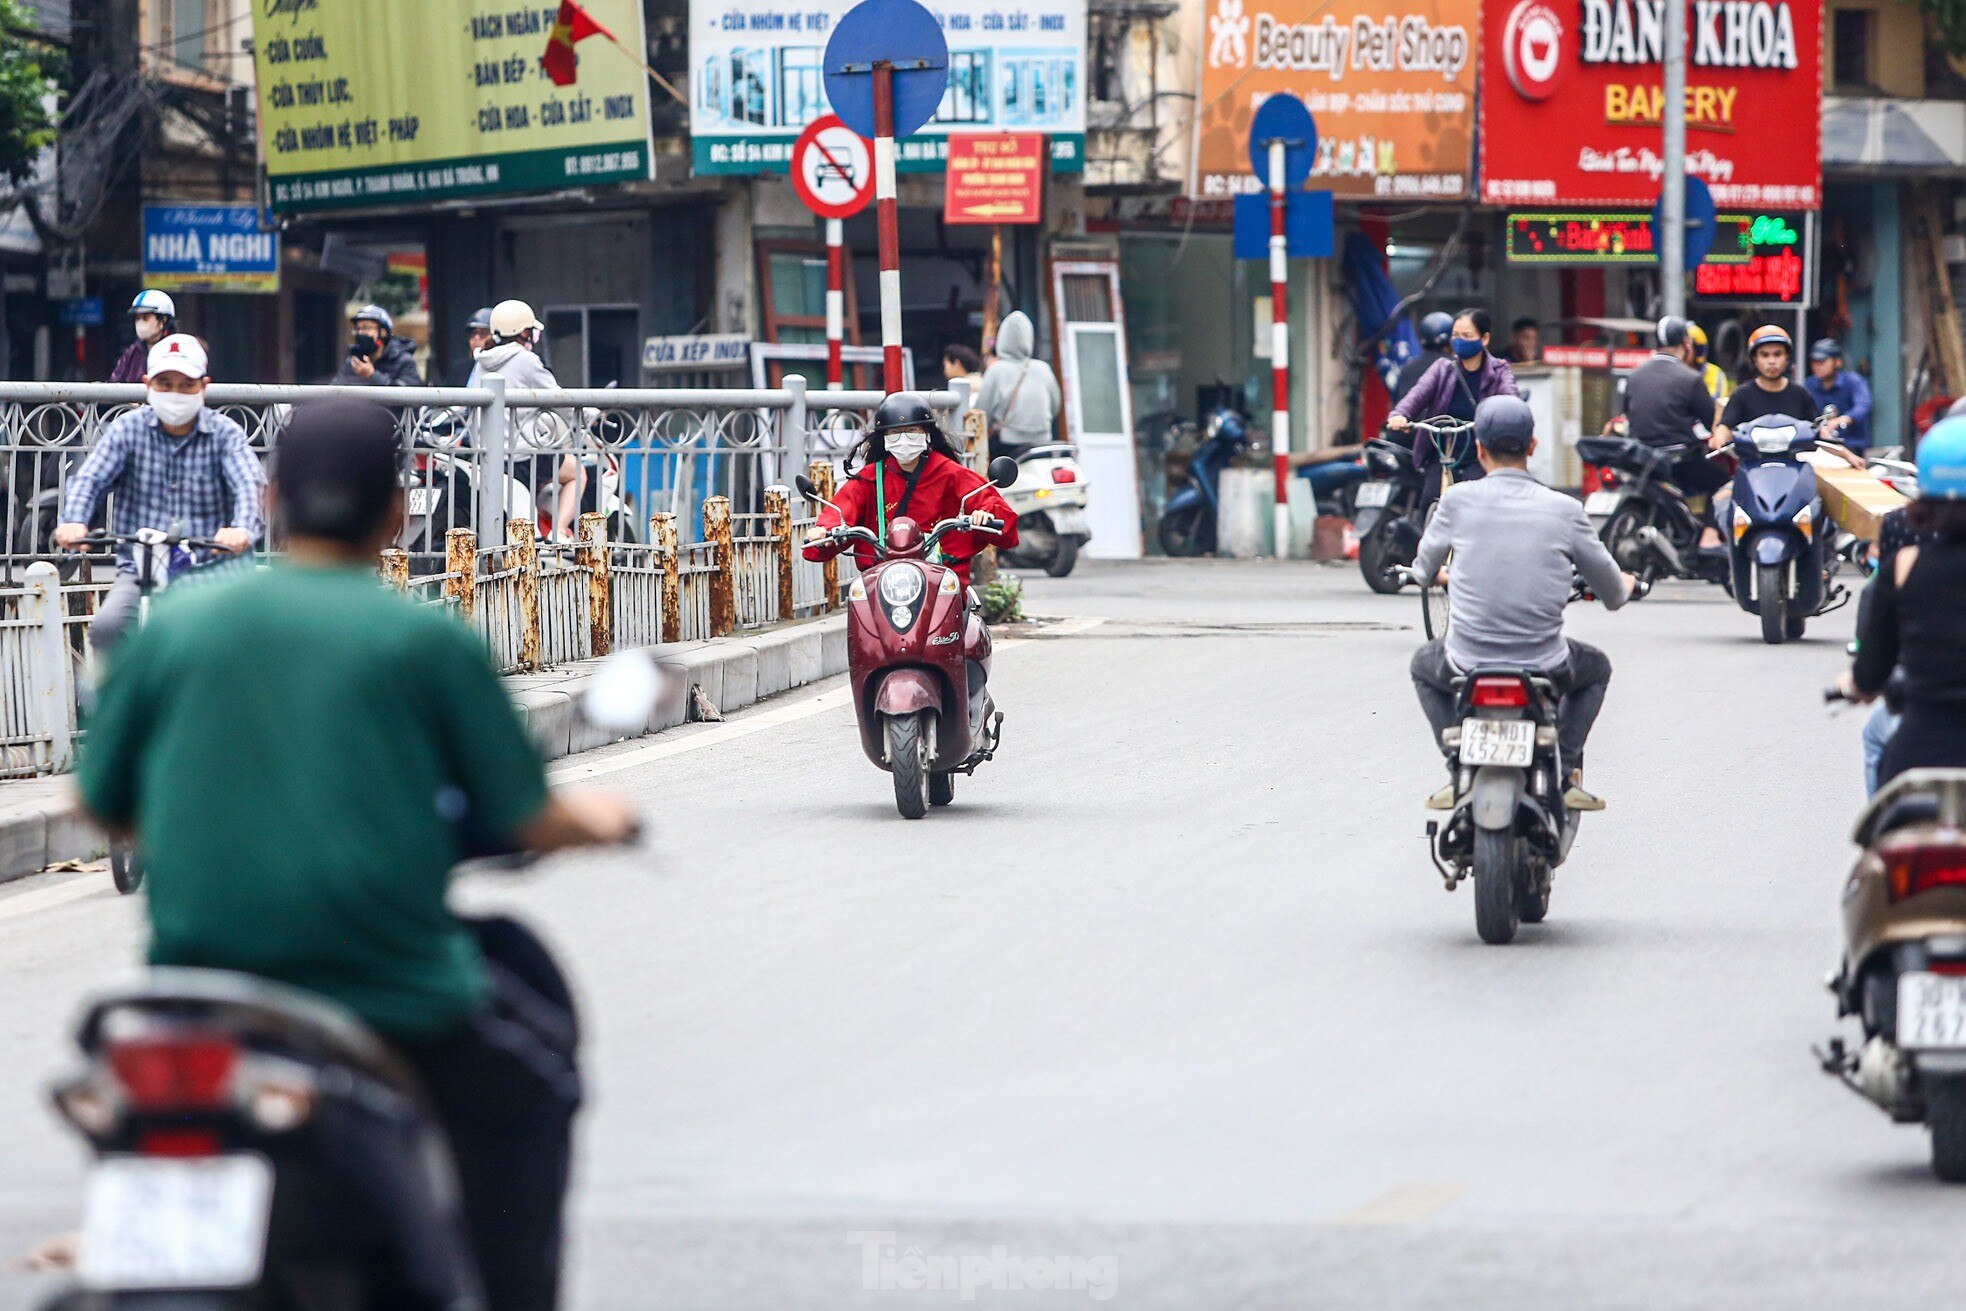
(1571, 101)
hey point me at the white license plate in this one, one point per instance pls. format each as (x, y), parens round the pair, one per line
(1371, 495)
(1498, 742)
(1069, 520)
(1602, 503)
(1931, 1012)
(422, 501)
(164, 1223)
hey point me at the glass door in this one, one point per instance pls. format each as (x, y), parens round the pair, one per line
(1098, 400)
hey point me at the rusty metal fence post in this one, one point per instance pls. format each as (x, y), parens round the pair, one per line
(778, 504)
(821, 473)
(662, 538)
(593, 557)
(396, 568)
(521, 536)
(723, 589)
(461, 571)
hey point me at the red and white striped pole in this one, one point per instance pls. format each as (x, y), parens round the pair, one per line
(835, 303)
(1279, 349)
(886, 216)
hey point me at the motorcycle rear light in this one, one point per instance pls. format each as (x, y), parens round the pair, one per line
(1607, 478)
(179, 1142)
(1910, 871)
(158, 1074)
(1499, 694)
(1064, 475)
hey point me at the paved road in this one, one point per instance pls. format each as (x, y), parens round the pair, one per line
(1172, 994)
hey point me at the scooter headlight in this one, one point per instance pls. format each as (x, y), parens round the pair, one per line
(902, 585)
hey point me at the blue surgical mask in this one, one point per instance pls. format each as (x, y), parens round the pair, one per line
(1467, 348)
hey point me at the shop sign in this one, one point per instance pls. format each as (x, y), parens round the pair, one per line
(722, 350)
(197, 247)
(437, 99)
(994, 179)
(1617, 237)
(756, 80)
(1391, 86)
(1572, 105)
(82, 312)
(1593, 357)
(1775, 264)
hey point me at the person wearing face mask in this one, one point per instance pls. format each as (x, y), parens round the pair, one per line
(154, 316)
(170, 464)
(377, 357)
(1454, 387)
(906, 467)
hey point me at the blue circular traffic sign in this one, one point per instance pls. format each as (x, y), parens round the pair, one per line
(1283, 117)
(1700, 222)
(897, 32)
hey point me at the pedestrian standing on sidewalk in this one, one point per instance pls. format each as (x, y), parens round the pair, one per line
(1019, 393)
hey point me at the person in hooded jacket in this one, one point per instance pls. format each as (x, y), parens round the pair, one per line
(1018, 393)
(906, 466)
(542, 439)
(377, 357)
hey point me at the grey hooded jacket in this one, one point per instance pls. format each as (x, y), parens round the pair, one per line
(1028, 412)
(535, 429)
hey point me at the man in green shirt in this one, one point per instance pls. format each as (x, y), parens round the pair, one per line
(304, 756)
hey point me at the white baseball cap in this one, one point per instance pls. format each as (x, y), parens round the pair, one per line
(178, 353)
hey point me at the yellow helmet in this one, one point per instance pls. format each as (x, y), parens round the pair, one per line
(1698, 336)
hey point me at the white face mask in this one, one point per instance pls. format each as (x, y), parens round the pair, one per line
(149, 329)
(907, 446)
(176, 408)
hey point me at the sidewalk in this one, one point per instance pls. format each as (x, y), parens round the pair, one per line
(39, 827)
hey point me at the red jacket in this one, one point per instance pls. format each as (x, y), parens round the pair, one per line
(938, 494)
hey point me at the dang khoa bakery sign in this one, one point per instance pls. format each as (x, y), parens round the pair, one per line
(1391, 86)
(1574, 101)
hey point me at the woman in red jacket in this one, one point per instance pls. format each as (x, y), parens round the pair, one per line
(908, 468)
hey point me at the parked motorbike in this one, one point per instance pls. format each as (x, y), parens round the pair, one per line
(918, 656)
(1903, 973)
(440, 487)
(1783, 557)
(1637, 494)
(1050, 497)
(1387, 506)
(1188, 520)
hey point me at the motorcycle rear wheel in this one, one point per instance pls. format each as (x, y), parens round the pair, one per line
(907, 758)
(1945, 1113)
(1065, 558)
(1187, 531)
(1495, 876)
(1620, 535)
(1774, 605)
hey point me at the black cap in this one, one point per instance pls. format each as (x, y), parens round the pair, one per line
(1505, 425)
(335, 469)
(1826, 348)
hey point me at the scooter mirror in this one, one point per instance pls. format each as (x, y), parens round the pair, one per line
(623, 692)
(1003, 471)
(806, 489)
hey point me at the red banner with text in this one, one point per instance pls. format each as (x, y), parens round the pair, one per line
(1571, 101)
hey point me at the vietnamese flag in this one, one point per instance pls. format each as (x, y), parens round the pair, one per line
(573, 25)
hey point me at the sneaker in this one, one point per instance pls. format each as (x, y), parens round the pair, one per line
(1575, 798)
(1443, 799)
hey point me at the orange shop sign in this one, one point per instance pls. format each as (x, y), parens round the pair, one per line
(1391, 85)
(995, 179)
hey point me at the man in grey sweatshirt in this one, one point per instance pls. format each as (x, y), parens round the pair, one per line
(1019, 394)
(1516, 546)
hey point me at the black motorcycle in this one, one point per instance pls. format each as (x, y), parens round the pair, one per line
(1388, 519)
(1638, 494)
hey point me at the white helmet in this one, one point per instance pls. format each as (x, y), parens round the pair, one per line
(154, 302)
(509, 318)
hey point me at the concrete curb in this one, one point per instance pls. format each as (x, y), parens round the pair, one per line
(732, 672)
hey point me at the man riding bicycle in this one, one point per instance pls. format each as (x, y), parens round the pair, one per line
(170, 464)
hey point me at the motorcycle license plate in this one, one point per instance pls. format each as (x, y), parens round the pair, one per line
(422, 501)
(173, 1223)
(1931, 1012)
(1070, 520)
(1600, 504)
(1371, 495)
(1498, 742)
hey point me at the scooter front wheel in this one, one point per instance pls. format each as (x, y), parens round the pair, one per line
(907, 759)
(1186, 531)
(1771, 585)
(125, 869)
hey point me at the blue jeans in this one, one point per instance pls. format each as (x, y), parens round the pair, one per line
(1877, 735)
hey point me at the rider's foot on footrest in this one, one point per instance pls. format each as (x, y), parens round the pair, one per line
(1443, 799)
(1575, 798)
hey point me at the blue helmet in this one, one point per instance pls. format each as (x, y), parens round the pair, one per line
(1435, 329)
(1942, 461)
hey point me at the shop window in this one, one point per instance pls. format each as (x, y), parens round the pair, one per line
(1106, 39)
(1853, 37)
(801, 90)
(739, 86)
(178, 29)
(967, 101)
(792, 280)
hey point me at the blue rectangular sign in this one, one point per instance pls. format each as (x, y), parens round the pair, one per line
(209, 248)
(1308, 225)
(83, 313)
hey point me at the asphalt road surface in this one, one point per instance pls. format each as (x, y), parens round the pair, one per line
(1170, 1010)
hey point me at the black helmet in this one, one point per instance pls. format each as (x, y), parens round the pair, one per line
(1826, 348)
(1435, 329)
(1674, 332)
(902, 409)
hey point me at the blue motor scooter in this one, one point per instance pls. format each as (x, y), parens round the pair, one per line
(1782, 544)
(1187, 521)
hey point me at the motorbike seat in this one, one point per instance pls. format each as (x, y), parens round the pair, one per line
(1905, 812)
(1624, 453)
(1049, 451)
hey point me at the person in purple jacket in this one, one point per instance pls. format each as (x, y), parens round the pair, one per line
(154, 316)
(1454, 386)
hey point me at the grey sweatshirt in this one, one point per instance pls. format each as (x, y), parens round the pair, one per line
(1027, 420)
(1517, 544)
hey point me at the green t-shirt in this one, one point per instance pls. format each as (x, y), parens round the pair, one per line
(294, 750)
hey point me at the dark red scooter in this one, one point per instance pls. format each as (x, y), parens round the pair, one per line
(918, 656)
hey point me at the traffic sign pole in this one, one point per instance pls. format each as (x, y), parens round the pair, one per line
(835, 302)
(887, 217)
(1279, 348)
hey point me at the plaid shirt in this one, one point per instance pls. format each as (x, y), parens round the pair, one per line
(200, 483)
